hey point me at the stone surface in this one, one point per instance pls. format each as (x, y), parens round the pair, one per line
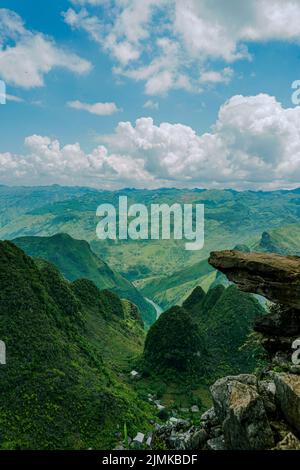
(274, 276)
(239, 406)
(139, 438)
(218, 443)
(267, 391)
(290, 442)
(220, 392)
(288, 397)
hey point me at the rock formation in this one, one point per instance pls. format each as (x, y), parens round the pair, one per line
(276, 277)
(254, 412)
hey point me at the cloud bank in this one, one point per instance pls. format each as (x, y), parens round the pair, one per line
(255, 143)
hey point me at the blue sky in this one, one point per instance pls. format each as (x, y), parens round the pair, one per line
(177, 62)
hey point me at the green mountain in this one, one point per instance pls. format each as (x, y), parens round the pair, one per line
(207, 337)
(66, 345)
(75, 259)
(174, 343)
(225, 318)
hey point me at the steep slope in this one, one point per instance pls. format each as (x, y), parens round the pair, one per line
(225, 317)
(174, 343)
(75, 259)
(59, 389)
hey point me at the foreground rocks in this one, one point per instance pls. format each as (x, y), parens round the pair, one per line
(248, 414)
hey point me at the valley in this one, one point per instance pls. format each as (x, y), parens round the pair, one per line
(113, 309)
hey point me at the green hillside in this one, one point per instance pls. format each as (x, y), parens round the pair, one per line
(66, 344)
(173, 289)
(284, 240)
(174, 343)
(225, 317)
(75, 259)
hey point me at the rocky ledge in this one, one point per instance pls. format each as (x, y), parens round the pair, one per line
(274, 276)
(277, 278)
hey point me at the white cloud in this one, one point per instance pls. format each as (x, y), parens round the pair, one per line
(26, 57)
(15, 99)
(213, 76)
(150, 104)
(255, 143)
(46, 161)
(194, 32)
(100, 109)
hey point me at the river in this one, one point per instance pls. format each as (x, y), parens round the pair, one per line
(158, 309)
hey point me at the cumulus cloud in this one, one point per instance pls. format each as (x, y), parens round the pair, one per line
(255, 143)
(46, 161)
(100, 109)
(26, 57)
(167, 43)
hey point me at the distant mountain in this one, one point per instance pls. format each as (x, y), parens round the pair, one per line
(18, 200)
(231, 218)
(75, 259)
(284, 240)
(66, 345)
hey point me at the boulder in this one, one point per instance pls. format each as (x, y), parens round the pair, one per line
(139, 438)
(239, 406)
(288, 397)
(220, 393)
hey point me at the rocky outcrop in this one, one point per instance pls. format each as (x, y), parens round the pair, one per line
(241, 410)
(288, 398)
(274, 276)
(249, 413)
(278, 279)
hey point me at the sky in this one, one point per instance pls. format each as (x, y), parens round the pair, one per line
(151, 93)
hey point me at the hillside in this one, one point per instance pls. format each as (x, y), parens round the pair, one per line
(225, 317)
(175, 343)
(172, 290)
(75, 259)
(66, 345)
(284, 240)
